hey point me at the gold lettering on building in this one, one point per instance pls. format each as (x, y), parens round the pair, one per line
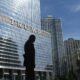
(13, 22)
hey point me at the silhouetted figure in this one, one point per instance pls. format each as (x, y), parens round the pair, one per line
(29, 58)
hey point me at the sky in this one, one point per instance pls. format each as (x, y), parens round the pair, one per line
(69, 13)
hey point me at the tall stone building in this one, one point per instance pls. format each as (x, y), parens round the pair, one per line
(72, 48)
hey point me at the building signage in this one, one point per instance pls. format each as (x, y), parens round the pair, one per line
(18, 24)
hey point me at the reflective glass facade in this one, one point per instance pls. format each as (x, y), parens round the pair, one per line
(53, 26)
(27, 11)
(19, 19)
(19, 36)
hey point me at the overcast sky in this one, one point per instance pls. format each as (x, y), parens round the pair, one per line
(68, 11)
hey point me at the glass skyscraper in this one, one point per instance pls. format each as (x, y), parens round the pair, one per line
(18, 20)
(53, 25)
(27, 11)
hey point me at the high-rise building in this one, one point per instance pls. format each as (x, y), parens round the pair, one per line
(53, 26)
(26, 11)
(18, 20)
(72, 47)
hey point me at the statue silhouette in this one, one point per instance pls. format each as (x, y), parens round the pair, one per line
(29, 58)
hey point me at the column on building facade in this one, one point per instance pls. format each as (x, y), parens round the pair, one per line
(43, 76)
(47, 76)
(19, 74)
(37, 77)
(1, 73)
(51, 75)
(11, 77)
(40, 76)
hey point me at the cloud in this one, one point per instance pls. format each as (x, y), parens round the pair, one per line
(75, 8)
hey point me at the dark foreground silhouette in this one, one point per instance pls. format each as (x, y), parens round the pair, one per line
(29, 58)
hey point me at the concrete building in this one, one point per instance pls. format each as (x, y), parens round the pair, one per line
(77, 63)
(53, 26)
(18, 20)
(71, 49)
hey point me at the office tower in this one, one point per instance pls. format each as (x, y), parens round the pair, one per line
(72, 48)
(18, 20)
(26, 11)
(76, 64)
(53, 26)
